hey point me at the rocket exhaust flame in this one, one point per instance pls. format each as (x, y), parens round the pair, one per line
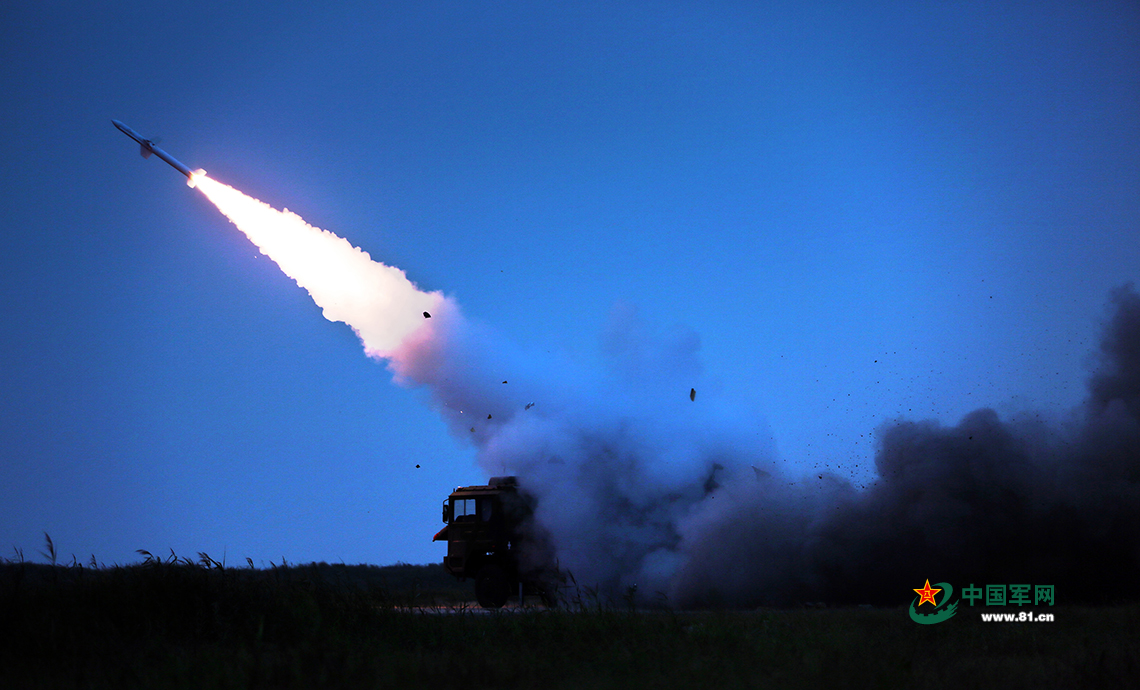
(192, 178)
(377, 301)
(637, 485)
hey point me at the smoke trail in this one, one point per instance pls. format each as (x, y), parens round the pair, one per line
(639, 481)
(617, 459)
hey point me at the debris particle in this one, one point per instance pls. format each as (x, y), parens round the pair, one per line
(504, 381)
(472, 429)
(529, 405)
(427, 315)
(417, 467)
(693, 394)
(488, 416)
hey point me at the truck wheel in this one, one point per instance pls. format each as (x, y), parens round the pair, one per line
(491, 587)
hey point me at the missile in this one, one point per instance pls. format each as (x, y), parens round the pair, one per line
(148, 147)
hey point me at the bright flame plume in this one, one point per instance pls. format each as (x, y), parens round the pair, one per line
(376, 300)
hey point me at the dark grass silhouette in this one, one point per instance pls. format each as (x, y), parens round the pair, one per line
(174, 623)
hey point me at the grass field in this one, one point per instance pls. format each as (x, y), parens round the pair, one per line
(173, 623)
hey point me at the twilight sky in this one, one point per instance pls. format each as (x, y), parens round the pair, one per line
(864, 211)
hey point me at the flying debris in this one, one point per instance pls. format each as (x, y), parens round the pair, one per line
(148, 147)
(427, 315)
(529, 405)
(693, 394)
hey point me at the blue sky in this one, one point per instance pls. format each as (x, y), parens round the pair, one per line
(865, 211)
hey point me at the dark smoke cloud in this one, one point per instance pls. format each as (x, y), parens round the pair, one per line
(984, 501)
(638, 484)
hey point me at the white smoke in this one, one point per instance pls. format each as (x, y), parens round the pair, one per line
(618, 459)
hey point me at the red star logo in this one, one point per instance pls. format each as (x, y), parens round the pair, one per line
(927, 594)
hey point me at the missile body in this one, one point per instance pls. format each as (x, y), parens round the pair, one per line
(148, 147)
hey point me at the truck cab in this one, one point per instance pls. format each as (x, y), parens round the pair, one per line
(488, 538)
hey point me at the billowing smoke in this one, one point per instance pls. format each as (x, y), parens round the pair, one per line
(639, 484)
(619, 459)
(984, 501)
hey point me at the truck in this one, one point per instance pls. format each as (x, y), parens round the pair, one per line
(492, 538)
